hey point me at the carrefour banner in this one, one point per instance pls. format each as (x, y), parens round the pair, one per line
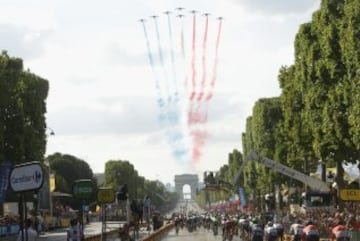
(242, 197)
(4, 180)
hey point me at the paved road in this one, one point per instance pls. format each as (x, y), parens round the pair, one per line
(60, 234)
(198, 235)
(93, 228)
(90, 230)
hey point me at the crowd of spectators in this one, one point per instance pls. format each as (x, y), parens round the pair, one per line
(9, 219)
(326, 218)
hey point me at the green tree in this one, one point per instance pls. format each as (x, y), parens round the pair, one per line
(67, 170)
(22, 114)
(118, 173)
(11, 110)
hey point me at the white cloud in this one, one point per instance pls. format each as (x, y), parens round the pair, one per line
(21, 41)
(102, 100)
(278, 6)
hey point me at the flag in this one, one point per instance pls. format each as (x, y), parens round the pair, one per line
(4, 180)
(242, 197)
(52, 183)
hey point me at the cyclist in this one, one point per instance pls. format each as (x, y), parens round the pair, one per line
(339, 232)
(310, 232)
(271, 232)
(296, 230)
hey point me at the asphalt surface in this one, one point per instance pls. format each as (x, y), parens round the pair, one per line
(91, 229)
(200, 234)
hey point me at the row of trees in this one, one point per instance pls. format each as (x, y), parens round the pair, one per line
(317, 115)
(23, 136)
(68, 169)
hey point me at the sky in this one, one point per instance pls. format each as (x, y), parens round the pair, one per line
(106, 84)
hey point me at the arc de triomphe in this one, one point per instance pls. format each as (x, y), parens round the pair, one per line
(190, 179)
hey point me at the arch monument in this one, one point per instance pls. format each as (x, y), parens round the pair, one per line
(190, 179)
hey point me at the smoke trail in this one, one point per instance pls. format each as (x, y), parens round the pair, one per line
(196, 115)
(170, 116)
(152, 64)
(201, 113)
(182, 42)
(183, 54)
(193, 59)
(172, 55)
(203, 81)
(161, 57)
(214, 75)
(199, 138)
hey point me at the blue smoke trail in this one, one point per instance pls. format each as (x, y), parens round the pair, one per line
(161, 57)
(169, 117)
(160, 101)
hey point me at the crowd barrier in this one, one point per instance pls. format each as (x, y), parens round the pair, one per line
(9, 230)
(114, 234)
(159, 234)
(110, 236)
(355, 236)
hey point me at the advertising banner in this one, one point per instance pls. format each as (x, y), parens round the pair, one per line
(26, 177)
(242, 197)
(4, 180)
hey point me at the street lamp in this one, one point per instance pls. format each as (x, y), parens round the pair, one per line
(52, 132)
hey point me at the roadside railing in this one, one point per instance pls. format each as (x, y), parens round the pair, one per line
(160, 233)
(154, 236)
(355, 236)
(110, 236)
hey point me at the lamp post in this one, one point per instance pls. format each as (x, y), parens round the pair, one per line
(52, 132)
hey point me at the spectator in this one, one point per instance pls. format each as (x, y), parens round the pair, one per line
(141, 210)
(134, 211)
(157, 221)
(146, 212)
(74, 233)
(28, 233)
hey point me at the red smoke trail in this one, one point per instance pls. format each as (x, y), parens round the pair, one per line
(199, 138)
(193, 59)
(214, 75)
(198, 115)
(203, 81)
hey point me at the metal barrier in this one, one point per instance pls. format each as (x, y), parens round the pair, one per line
(114, 234)
(110, 236)
(160, 233)
(289, 238)
(355, 235)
